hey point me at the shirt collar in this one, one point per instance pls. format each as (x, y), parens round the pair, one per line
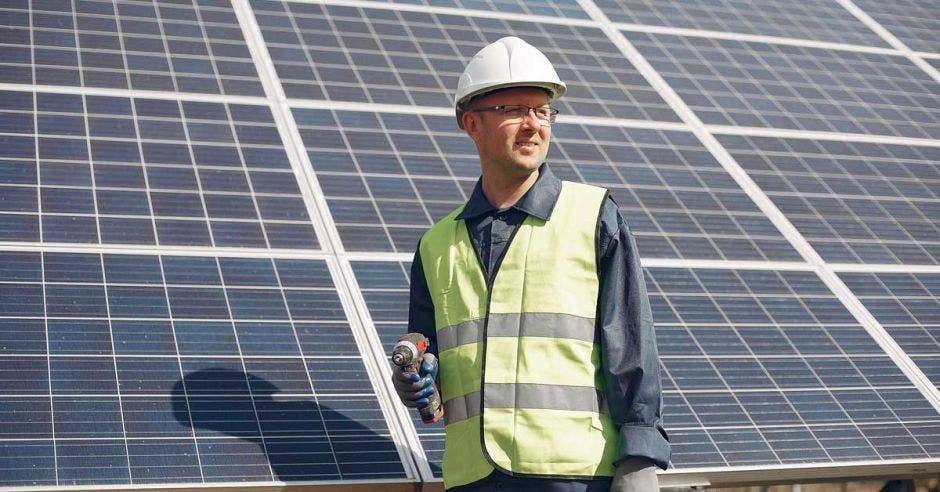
(539, 201)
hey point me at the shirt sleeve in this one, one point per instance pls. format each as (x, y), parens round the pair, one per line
(420, 306)
(629, 356)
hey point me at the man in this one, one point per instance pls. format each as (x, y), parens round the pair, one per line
(534, 301)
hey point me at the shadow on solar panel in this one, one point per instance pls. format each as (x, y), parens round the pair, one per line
(247, 429)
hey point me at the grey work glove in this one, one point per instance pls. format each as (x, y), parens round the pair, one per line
(414, 388)
(635, 475)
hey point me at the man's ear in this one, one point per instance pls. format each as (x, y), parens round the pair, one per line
(471, 124)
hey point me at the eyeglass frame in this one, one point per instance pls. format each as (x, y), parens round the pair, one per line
(552, 112)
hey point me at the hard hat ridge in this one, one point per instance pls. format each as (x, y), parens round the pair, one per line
(507, 62)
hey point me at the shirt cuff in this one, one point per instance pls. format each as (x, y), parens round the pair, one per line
(644, 442)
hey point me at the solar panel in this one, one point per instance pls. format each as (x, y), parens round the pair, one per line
(183, 302)
(816, 20)
(193, 46)
(854, 201)
(793, 87)
(387, 177)
(336, 53)
(907, 305)
(144, 368)
(915, 22)
(118, 170)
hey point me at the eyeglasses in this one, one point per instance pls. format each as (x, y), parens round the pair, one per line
(518, 112)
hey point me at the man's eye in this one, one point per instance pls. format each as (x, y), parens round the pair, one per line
(514, 111)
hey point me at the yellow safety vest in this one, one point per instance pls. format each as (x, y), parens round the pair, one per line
(530, 337)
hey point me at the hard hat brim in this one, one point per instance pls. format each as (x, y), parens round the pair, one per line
(555, 91)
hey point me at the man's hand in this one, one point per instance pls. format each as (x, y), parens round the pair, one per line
(415, 388)
(635, 475)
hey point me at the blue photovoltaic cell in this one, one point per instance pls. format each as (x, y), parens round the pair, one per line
(818, 20)
(135, 369)
(387, 177)
(113, 170)
(854, 201)
(915, 22)
(759, 368)
(400, 57)
(551, 8)
(908, 306)
(193, 46)
(753, 84)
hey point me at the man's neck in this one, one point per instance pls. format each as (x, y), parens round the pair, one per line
(504, 191)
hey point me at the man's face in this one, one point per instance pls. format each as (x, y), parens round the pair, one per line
(506, 145)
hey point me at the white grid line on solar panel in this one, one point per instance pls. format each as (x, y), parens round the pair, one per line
(733, 36)
(784, 390)
(915, 23)
(795, 87)
(276, 254)
(857, 192)
(875, 268)
(134, 94)
(403, 6)
(231, 69)
(565, 9)
(180, 356)
(719, 130)
(815, 20)
(48, 348)
(149, 438)
(216, 143)
(412, 40)
(796, 426)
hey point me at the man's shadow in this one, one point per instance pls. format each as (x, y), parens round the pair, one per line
(245, 430)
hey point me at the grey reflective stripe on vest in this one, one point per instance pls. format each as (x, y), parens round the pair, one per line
(545, 325)
(460, 334)
(462, 407)
(543, 396)
(540, 396)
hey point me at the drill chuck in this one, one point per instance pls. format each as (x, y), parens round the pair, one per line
(408, 354)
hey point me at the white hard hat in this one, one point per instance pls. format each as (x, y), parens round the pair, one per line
(508, 62)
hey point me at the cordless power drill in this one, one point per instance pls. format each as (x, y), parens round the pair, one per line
(408, 354)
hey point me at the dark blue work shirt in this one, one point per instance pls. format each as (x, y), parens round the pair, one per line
(628, 344)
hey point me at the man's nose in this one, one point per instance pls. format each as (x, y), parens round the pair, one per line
(530, 119)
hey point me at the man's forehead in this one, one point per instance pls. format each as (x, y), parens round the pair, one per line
(512, 94)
